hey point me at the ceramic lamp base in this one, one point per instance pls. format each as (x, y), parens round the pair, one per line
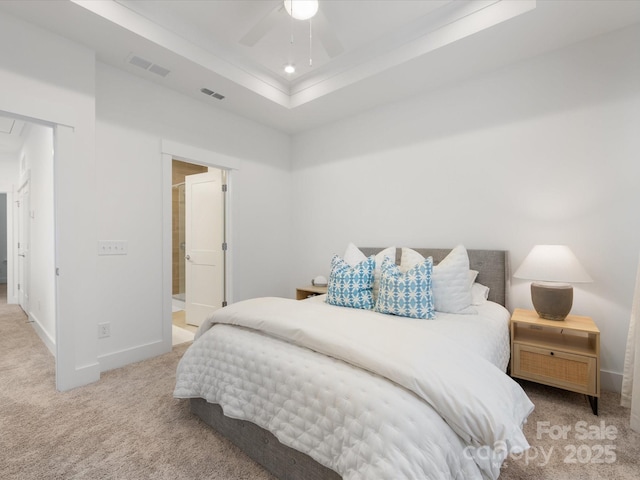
(552, 301)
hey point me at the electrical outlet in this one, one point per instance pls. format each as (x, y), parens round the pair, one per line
(104, 330)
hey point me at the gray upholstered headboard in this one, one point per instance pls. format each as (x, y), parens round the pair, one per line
(493, 266)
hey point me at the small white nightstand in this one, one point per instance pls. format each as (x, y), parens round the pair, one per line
(563, 354)
(309, 291)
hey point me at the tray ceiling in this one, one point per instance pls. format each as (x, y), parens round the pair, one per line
(364, 52)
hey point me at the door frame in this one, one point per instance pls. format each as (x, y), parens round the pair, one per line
(62, 121)
(23, 236)
(171, 150)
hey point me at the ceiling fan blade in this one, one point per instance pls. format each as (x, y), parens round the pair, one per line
(327, 36)
(263, 27)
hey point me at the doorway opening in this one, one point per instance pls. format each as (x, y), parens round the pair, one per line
(27, 223)
(198, 245)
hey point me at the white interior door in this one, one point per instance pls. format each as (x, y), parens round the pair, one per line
(204, 238)
(24, 224)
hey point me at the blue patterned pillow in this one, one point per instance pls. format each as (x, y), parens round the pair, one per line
(406, 294)
(351, 286)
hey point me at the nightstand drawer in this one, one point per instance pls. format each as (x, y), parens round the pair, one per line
(309, 291)
(556, 368)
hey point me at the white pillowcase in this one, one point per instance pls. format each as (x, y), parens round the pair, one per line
(353, 256)
(451, 280)
(479, 294)
(409, 258)
(473, 274)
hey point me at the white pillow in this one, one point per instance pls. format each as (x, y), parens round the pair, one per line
(353, 256)
(473, 274)
(479, 294)
(451, 280)
(409, 258)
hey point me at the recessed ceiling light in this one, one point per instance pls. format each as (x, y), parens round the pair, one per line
(290, 69)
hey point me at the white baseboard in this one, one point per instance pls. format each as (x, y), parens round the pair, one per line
(49, 342)
(80, 377)
(133, 355)
(635, 422)
(610, 381)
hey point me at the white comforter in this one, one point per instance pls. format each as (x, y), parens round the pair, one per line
(342, 408)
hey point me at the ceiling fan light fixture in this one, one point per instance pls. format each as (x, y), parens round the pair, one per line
(301, 9)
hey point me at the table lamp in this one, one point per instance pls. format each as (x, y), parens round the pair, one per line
(553, 268)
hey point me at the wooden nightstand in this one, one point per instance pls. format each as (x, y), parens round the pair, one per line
(309, 291)
(563, 354)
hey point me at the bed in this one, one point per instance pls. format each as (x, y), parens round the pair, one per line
(318, 391)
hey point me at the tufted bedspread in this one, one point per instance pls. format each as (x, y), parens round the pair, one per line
(365, 394)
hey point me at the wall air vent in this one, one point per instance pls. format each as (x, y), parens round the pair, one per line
(147, 65)
(211, 93)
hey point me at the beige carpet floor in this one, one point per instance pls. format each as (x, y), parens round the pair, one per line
(127, 426)
(568, 442)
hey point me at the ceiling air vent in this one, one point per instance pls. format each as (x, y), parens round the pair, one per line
(211, 93)
(147, 65)
(158, 70)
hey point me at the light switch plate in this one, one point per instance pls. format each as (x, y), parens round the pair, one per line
(112, 247)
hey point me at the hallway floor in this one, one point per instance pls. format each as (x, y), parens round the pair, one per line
(182, 332)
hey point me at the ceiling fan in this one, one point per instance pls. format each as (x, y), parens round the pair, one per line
(322, 29)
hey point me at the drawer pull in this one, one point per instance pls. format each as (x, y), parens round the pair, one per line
(550, 353)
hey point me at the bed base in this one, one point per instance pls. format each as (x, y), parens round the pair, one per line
(288, 464)
(262, 446)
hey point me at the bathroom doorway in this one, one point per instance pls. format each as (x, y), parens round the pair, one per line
(197, 243)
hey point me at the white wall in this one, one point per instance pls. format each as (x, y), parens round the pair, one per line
(8, 171)
(544, 151)
(133, 117)
(37, 152)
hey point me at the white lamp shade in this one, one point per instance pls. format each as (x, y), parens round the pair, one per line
(301, 9)
(552, 263)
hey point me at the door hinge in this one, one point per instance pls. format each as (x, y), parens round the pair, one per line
(18, 286)
(224, 247)
(224, 303)
(224, 187)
